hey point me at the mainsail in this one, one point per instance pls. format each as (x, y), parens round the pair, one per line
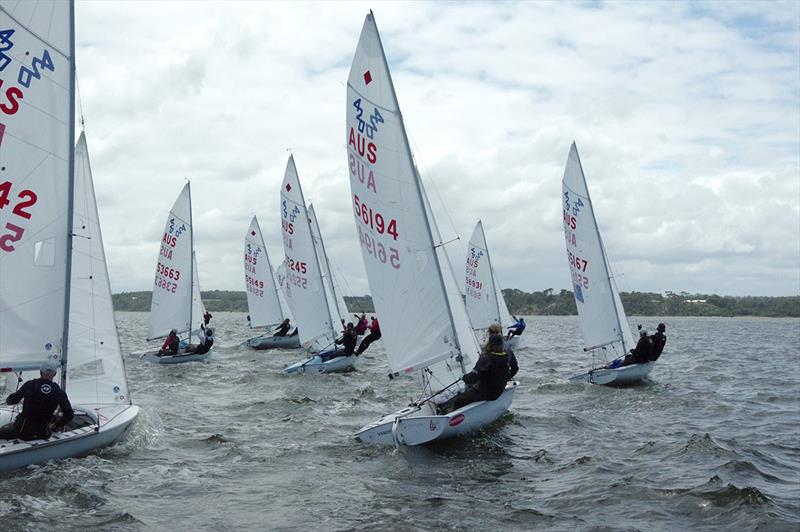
(37, 143)
(600, 309)
(485, 302)
(412, 286)
(95, 367)
(171, 307)
(263, 301)
(304, 287)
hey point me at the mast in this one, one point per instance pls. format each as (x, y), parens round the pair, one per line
(191, 266)
(327, 262)
(603, 251)
(70, 195)
(491, 274)
(423, 200)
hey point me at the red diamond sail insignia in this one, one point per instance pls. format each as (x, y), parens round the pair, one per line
(288, 187)
(253, 233)
(367, 77)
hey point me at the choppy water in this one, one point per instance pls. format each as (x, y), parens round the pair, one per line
(713, 442)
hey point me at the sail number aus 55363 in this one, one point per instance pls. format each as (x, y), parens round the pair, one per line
(374, 219)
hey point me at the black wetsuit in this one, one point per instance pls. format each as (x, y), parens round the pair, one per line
(205, 347)
(42, 397)
(374, 335)
(659, 340)
(348, 340)
(488, 378)
(641, 353)
(283, 328)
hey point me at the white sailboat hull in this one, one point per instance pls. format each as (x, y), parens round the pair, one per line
(15, 454)
(274, 342)
(623, 376)
(180, 358)
(316, 365)
(417, 425)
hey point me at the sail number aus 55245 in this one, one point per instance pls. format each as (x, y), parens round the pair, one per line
(26, 199)
(374, 219)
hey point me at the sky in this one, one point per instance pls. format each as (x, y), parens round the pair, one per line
(686, 116)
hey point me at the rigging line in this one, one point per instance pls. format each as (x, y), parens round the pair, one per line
(80, 100)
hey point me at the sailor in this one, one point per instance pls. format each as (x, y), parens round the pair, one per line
(361, 326)
(517, 328)
(206, 340)
(283, 328)
(41, 398)
(642, 352)
(496, 365)
(207, 318)
(374, 334)
(348, 340)
(659, 340)
(171, 344)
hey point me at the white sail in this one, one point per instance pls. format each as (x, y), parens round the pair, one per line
(304, 288)
(172, 290)
(336, 303)
(263, 301)
(36, 157)
(599, 307)
(408, 286)
(95, 368)
(485, 303)
(198, 308)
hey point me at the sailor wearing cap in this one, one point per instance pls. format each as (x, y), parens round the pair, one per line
(41, 398)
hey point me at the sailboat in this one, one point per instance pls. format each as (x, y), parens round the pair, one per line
(485, 302)
(176, 302)
(55, 298)
(606, 332)
(264, 301)
(424, 322)
(315, 312)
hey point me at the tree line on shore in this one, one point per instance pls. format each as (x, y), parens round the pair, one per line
(544, 303)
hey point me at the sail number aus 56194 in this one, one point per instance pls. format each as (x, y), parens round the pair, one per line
(27, 198)
(374, 219)
(378, 250)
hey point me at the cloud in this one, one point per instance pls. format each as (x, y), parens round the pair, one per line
(687, 117)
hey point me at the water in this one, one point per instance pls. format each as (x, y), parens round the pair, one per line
(713, 442)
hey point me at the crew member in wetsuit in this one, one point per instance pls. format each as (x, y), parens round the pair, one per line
(206, 340)
(488, 379)
(171, 344)
(283, 328)
(641, 353)
(207, 318)
(41, 398)
(374, 334)
(659, 340)
(517, 328)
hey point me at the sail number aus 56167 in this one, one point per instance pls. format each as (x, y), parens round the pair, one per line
(28, 198)
(577, 262)
(374, 219)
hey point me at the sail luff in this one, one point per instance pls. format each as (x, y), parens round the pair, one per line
(191, 266)
(70, 195)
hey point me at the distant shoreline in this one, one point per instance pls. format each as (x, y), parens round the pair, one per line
(545, 303)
